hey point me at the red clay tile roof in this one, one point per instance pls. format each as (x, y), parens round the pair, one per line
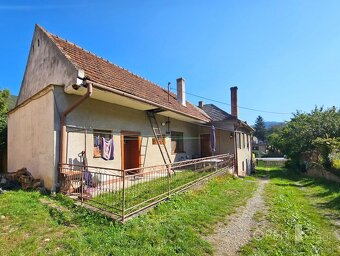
(104, 72)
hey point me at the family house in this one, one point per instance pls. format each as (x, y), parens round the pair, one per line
(73, 103)
(233, 135)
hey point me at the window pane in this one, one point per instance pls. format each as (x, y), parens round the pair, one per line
(97, 141)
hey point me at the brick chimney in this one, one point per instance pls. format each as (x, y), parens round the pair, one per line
(233, 92)
(200, 104)
(181, 91)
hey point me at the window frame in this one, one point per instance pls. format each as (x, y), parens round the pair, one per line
(107, 134)
(178, 138)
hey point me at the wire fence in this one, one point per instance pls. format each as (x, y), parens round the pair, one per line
(122, 194)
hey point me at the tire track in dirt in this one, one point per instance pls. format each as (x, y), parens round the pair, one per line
(230, 237)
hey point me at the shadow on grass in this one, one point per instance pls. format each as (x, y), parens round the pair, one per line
(326, 191)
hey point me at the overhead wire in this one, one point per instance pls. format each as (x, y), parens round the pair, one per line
(228, 104)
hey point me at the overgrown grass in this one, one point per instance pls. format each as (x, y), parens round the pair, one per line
(173, 227)
(299, 211)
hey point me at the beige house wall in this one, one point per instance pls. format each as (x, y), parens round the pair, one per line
(244, 154)
(45, 65)
(97, 115)
(225, 144)
(30, 139)
(33, 136)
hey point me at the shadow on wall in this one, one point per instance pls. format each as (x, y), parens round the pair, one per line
(75, 161)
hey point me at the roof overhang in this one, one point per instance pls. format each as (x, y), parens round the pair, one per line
(126, 100)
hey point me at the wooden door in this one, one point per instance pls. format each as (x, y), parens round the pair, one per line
(131, 157)
(205, 145)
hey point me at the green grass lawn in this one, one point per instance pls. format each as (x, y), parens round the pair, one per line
(297, 203)
(139, 193)
(31, 227)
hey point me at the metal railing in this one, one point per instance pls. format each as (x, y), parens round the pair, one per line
(125, 193)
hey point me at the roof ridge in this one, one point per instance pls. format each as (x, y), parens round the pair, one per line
(140, 82)
(97, 56)
(50, 36)
(216, 107)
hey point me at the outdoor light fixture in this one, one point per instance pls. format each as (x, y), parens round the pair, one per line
(231, 135)
(163, 123)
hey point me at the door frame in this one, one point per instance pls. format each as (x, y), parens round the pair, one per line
(131, 134)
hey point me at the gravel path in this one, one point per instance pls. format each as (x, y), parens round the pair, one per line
(230, 237)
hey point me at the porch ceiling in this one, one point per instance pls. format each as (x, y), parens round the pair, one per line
(114, 98)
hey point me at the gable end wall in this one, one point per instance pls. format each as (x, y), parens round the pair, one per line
(45, 65)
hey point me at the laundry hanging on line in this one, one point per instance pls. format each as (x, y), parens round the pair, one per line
(107, 149)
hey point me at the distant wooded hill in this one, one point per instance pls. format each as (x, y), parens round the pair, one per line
(11, 101)
(270, 124)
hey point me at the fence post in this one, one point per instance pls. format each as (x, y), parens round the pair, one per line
(82, 186)
(123, 198)
(169, 177)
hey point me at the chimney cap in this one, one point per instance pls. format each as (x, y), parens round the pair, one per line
(180, 78)
(233, 88)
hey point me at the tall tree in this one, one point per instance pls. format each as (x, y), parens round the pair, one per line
(260, 128)
(4, 94)
(318, 130)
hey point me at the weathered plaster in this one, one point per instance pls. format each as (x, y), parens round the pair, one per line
(97, 115)
(45, 65)
(30, 139)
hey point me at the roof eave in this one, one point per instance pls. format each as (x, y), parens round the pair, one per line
(151, 104)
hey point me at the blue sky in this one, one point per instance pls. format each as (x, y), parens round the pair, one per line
(283, 55)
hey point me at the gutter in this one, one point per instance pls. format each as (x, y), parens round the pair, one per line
(63, 135)
(109, 89)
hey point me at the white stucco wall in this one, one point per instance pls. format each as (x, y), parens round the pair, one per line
(30, 139)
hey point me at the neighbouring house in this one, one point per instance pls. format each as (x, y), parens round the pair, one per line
(73, 103)
(259, 147)
(232, 135)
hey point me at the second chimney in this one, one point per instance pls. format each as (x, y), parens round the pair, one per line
(181, 91)
(233, 92)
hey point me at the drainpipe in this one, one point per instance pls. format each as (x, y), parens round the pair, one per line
(235, 155)
(63, 139)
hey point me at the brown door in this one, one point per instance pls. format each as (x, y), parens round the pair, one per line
(205, 145)
(131, 157)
